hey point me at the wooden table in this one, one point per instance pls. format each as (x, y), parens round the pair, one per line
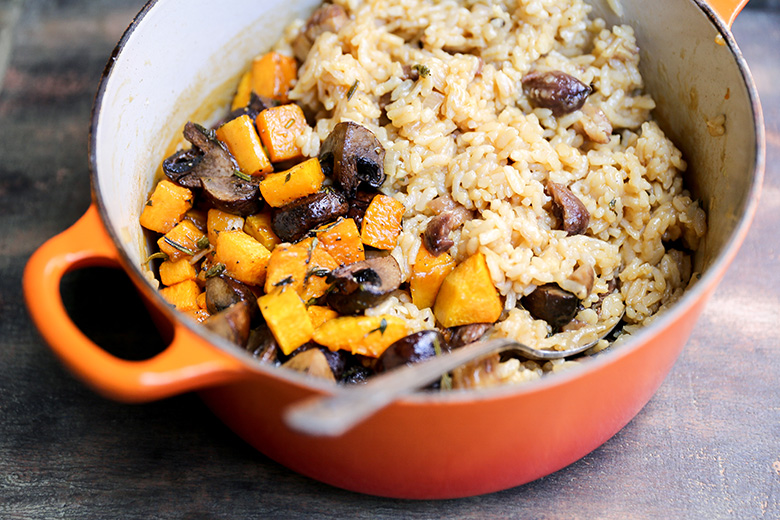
(706, 446)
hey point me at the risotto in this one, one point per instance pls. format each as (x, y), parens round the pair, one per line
(527, 122)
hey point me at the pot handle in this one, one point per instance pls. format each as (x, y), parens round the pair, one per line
(188, 363)
(727, 9)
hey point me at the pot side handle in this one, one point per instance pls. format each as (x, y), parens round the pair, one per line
(727, 9)
(188, 363)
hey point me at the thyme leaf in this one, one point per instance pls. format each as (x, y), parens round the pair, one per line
(422, 70)
(155, 256)
(241, 175)
(215, 270)
(352, 89)
(179, 247)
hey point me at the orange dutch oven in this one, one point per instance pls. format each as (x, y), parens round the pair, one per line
(423, 446)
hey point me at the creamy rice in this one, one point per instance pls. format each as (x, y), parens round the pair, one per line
(467, 131)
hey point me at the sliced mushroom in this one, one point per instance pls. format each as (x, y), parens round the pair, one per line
(352, 155)
(210, 168)
(552, 304)
(256, 105)
(580, 283)
(359, 286)
(312, 362)
(293, 221)
(568, 209)
(466, 334)
(459, 215)
(411, 349)
(262, 344)
(328, 18)
(436, 236)
(223, 291)
(232, 323)
(556, 90)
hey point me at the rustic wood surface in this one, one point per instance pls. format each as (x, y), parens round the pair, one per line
(706, 446)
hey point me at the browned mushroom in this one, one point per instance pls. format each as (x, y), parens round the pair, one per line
(552, 304)
(556, 90)
(223, 291)
(210, 169)
(256, 105)
(293, 221)
(358, 204)
(359, 286)
(436, 236)
(568, 209)
(352, 155)
(465, 334)
(580, 282)
(311, 362)
(444, 204)
(262, 344)
(232, 323)
(411, 349)
(328, 18)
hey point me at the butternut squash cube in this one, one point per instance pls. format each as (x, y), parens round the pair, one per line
(243, 92)
(183, 295)
(382, 223)
(343, 242)
(245, 258)
(166, 207)
(302, 267)
(259, 227)
(365, 335)
(172, 273)
(183, 241)
(468, 295)
(302, 179)
(279, 127)
(428, 273)
(273, 75)
(320, 314)
(286, 316)
(219, 221)
(243, 143)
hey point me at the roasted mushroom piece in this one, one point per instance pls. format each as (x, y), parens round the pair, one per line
(232, 323)
(256, 105)
(359, 286)
(312, 362)
(436, 237)
(292, 221)
(411, 349)
(556, 90)
(352, 155)
(465, 334)
(208, 167)
(328, 18)
(568, 209)
(552, 304)
(223, 291)
(358, 204)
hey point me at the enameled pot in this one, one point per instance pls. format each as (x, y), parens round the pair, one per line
(424, 446)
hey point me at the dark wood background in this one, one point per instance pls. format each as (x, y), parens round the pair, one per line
(706, 446)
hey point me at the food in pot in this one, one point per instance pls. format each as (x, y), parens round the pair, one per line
(396, 179)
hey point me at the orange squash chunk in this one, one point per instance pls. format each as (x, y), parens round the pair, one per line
(286, 316)
(183, 241)
(320, 314)
(366, 335)
(273, 75)
(302, 267)
(343, 242)
(245, 258)
(428, 274)
(243, 92)
(468, 295)
(382, 223)
(302, 179)
(259, 227)
(279, 127)
(243, 143)
(219, 221)
(183, 295)
(172, 273)
(166, 207)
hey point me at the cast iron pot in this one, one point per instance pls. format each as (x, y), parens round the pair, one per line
(424, 446)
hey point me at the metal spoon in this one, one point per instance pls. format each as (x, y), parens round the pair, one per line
(335, 414)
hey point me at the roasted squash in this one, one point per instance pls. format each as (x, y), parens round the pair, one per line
(244, 258)
(183, 295)
(468, 295)
(243, 92)
(428, 273)
(302, 179)
(173, 272)
(279, 128)
(183, 241)
(382, 222)
(342, 240)
(302, 266)
(219, 221)
(286, 316)
(319, 314)
(243, 143)
(273, 75)
(166, 207)
(259, 227)
(365, 335)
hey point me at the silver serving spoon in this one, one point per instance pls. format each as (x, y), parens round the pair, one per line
(333, 415)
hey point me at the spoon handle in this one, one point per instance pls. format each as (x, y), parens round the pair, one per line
(334, 415)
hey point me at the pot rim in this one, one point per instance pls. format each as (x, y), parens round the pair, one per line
(707, 282)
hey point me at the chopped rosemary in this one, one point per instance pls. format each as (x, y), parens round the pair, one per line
(612, 203)
(176, 245)
(241, 175)
(155, 256)
(215, 270)
(289, 123)
(312, 245)
(319, 272)
(203, 242)
(284, 281)
(381, 328)
(288, 177)
(352, 89)
(422, 70)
